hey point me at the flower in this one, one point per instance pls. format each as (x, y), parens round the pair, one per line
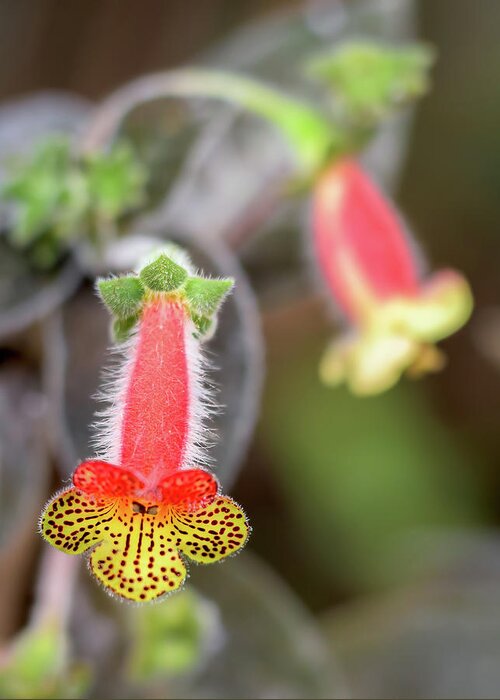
(143, 505)
(370, 266)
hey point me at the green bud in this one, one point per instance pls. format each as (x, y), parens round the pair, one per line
(122, 328)
(122, 295)
(205, 295)
(163, 275)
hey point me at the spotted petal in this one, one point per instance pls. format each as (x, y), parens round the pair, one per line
(190, 488)
(211, 533)
(133, 550)
(73, 522)
(138, 559)
(104, 480)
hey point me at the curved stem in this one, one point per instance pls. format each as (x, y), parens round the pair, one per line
(310, 134)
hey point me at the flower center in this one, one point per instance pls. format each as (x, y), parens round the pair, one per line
(141, 508)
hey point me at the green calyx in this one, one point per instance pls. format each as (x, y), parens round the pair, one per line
(124, 296)
(205, 295)
(163, 274)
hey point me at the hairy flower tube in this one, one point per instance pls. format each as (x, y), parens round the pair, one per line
(371, 267)
(144, 505)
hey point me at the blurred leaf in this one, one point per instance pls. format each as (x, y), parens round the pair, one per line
(363, 475)
(369, 81)
(24, 124)
(115, 181)
(38, 188)
(169, 639)
(58, 199)
(35, 666)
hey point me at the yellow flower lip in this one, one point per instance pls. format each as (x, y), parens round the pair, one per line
(399, 336)
(139, 550)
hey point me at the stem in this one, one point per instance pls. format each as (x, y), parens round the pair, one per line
(308, 132)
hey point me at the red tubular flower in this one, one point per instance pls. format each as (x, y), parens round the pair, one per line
(143, 506)
(370, 267)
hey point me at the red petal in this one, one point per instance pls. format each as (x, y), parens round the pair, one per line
(102, 479)
(189, 489)
(353, 222)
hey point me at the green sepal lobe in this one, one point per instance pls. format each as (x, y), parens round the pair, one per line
(122, 295)
(163, 274)
(204, 296)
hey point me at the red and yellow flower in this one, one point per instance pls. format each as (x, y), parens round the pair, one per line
(144, 506)
(394, 315)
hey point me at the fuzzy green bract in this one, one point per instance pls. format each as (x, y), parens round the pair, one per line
(125, 295)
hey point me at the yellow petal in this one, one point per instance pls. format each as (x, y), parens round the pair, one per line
(212, 533)
(377, 362)
(133, 550)
(443, 307)
(74, 523)
(138, 559)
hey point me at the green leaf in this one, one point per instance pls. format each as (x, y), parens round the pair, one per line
(122, 295)
(163, 274)
(370, 80)
(205, 295)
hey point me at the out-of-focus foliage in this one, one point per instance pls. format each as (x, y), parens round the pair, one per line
(171, 639)
(369, 81)
(36, 666)
(115, 182)
(58, 198)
